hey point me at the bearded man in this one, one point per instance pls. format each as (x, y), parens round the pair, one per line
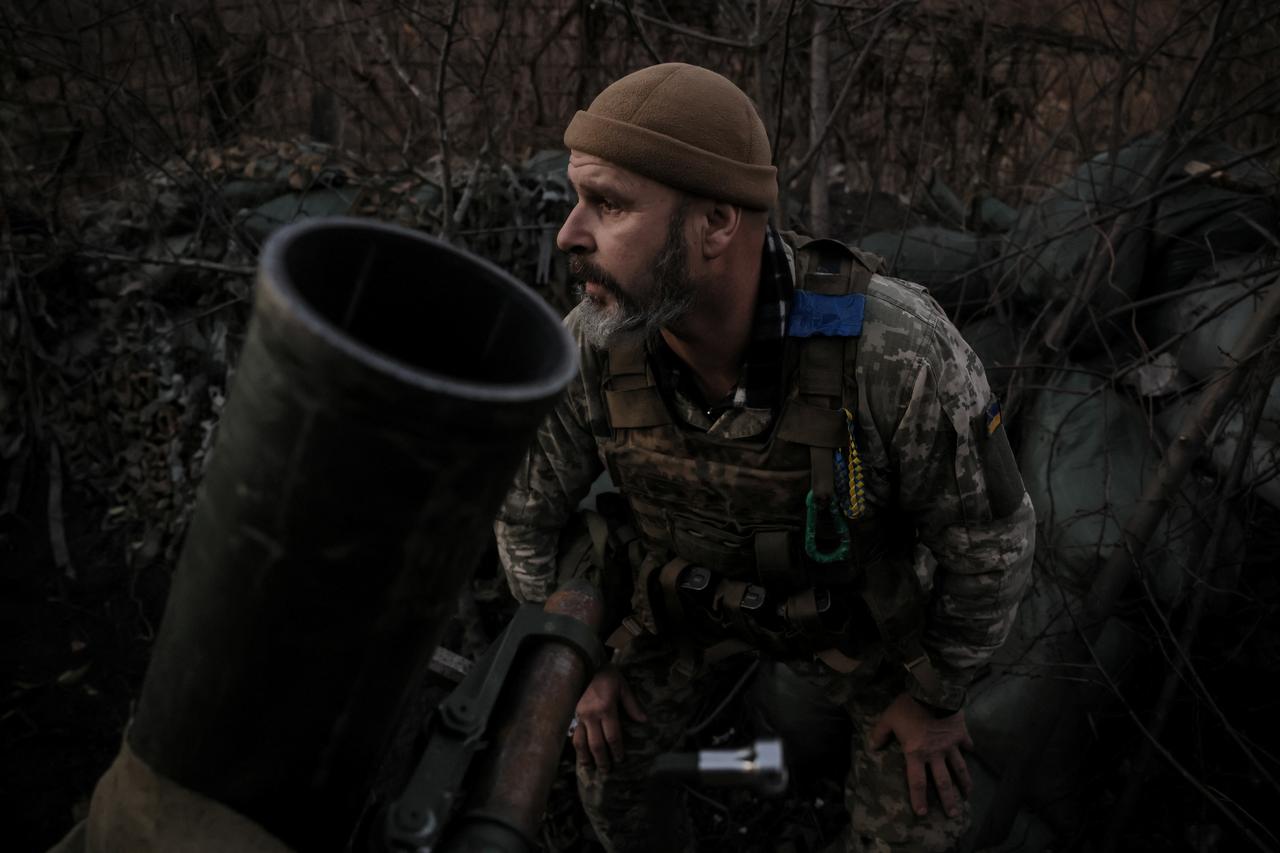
(811, 456)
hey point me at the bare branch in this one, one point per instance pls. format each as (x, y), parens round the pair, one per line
(442, 125)
(644, 39)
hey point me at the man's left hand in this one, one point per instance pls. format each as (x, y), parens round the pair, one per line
(927, 742)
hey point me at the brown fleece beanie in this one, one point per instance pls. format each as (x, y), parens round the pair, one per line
(684, 126)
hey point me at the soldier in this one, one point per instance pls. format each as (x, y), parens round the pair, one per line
(809, 452)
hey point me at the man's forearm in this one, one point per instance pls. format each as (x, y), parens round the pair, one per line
(528, 556)
(975, 598)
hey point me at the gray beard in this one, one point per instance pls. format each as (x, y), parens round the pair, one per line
(603, 325)
(672, 296)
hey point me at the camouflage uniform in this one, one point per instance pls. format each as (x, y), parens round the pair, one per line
(934, 456)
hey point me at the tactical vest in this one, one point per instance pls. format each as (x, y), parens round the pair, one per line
(761, 517)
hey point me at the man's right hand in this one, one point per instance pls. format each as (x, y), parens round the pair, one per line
(598, 737)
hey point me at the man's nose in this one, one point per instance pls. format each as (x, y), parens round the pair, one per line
(574, 235)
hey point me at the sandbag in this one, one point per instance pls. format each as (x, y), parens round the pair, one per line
(942, 259)
(1261, 470)
(1046, 253)
(1205, 327)
(1018, 690)
(1226, 212)
(1086, 455)
(136, 810)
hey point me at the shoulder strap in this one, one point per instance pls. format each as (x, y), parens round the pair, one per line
(869, 260)
(630, 390)
(829, 270)
(831, 287)
(824, 325)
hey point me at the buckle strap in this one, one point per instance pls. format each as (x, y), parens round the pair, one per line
(625, 635)
(801, 611)
(728, 600)
(669, 582)
(838, 660)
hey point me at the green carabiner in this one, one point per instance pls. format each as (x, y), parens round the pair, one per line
(811, 533)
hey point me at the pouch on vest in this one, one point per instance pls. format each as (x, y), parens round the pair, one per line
(601, 547)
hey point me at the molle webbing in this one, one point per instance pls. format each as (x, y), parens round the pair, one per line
(875, 563)
(820, 367)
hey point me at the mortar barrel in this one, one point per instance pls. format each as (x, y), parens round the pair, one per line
(387, 389)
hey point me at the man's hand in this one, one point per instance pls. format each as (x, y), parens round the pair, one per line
(927, 742)
(599, 732)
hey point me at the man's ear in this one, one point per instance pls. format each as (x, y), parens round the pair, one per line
(724, 220)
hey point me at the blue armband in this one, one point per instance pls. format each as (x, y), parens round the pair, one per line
(814, 314)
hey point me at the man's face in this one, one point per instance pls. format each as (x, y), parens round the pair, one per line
(628, 251)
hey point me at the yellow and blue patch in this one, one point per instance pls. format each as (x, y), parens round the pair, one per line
(993, 416)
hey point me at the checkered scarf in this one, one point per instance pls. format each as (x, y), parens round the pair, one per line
(760, 380)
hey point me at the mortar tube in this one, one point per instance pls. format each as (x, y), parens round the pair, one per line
(513, 779)
(388, 387)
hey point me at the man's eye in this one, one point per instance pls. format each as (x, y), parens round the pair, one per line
(608, 206)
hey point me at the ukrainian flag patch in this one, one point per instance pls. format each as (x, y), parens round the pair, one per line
(993, 416)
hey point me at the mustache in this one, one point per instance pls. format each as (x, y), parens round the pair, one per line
(583, 271)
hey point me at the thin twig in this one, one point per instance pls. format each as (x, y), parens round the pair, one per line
(881, 19)
(644, 38)
(691, 32)
(142, 260)
(57, 524)
(782, 83)
(442, 125)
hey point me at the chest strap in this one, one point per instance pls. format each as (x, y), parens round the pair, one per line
(827, 315)
(630, 389)
(824, 327)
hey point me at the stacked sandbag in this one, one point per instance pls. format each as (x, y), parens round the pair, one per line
(1086, 454)
(1207, 204)
(1046, 253)
(1222, 207)
(945, 260)
(1200, 330)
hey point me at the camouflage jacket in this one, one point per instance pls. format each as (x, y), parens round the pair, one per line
(925, 408)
